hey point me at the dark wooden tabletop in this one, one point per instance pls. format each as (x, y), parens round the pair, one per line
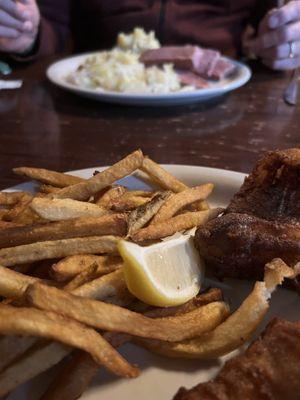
(43, 126)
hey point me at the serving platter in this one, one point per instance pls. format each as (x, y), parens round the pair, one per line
(161, 377)
(58, 71)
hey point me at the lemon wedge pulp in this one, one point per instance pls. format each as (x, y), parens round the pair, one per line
(164, 274)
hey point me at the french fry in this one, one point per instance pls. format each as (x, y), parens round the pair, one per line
(47, 189)
(69, 267)
(19, 208)
(139, 217)
(236, 329)
(84, 190)
(179, 223)
(162, 177)
(117, 319)
(12, 198)
(62, 209)
(13, 284)
(180, 200)
(85, 276)
(129, 204)
(11, 347)
(48, 177)
(31, 322)
(113, 193)
(57, 249)
(114, 224)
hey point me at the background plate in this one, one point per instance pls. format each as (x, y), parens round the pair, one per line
(161, 377)
(58, 71)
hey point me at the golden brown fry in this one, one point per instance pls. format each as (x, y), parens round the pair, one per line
(19, 208)
(117, 319)
(8, 224)
(114, 224)
(12, 347)
(69, 267)
(110, 285)
(62, 209)
(57, 249)
(139, 217)
(14, 284)
(113, 193)
(49, 189)
(48, 177)
(162, 177)
(31, 322)
(12, 198)
(35, 361)
(84, 190)
(128, 204)
(175, 224)
(180, 200)
(85, 276)
(236, 329)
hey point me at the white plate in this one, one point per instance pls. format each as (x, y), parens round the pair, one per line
(58, 72)
(161, 377)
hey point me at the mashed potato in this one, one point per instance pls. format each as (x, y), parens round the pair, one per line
(119, 70)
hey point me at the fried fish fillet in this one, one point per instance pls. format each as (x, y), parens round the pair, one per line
(262, 221)
(268, 370)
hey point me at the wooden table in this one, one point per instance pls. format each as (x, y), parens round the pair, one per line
(43, 126)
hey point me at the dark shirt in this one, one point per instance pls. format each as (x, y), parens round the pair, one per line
(94, 24)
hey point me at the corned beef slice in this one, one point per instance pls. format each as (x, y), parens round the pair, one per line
(206, 63)
(190, 78)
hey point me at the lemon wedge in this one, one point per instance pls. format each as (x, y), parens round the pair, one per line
(164, 274)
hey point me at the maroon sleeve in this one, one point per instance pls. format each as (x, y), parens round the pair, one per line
(54, 35)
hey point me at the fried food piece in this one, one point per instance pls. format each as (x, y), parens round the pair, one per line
(269, 369)
(239, 245)
(261, 222)
(57, 249)
(179, 223)
(115, 224)
(48, 177)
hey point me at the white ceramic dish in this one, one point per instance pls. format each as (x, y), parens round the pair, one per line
(58, 72)
(161, 377)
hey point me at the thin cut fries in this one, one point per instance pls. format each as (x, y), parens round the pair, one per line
(48, 189)
(57, 249)
(117, 319)
(12, 198)
(182, 199)
(31, 322)
(53, 178)
(179, 223)
(68, 267)
(83, 190)
(85, 276)
(162, 177)
(112, 194)
(236, 329)
(14, 284)
(62, 209)
(139, 217)
(115, 224)
(128, 204)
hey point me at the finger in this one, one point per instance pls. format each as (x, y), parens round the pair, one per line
(276, 37)
(283, 65)
(8, 33)
(284, 15)
(10, 22)
(11, 7)
(282, 51)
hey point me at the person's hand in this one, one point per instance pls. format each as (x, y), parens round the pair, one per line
(19, 22)
(278, 41)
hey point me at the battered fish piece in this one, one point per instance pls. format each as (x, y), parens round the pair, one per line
(268, 370)
(262, 221)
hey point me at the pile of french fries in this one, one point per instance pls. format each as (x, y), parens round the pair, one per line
(64, 298)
